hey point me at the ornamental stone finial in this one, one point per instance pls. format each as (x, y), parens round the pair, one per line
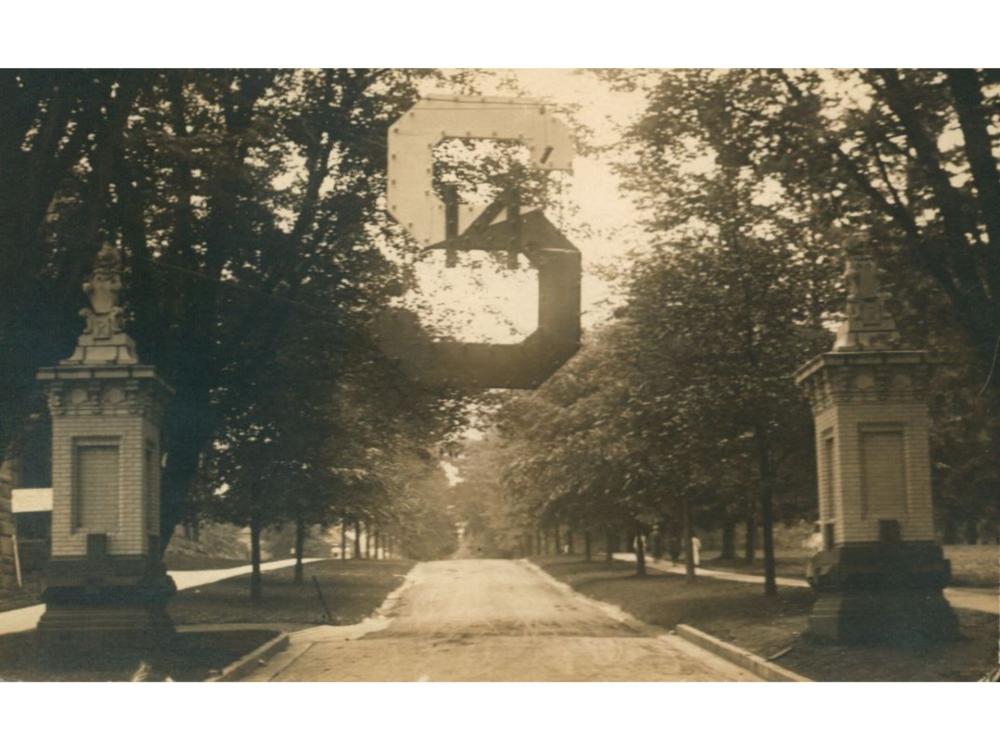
(105, 282)
(868, 325)
(104, 317)
(103, 340)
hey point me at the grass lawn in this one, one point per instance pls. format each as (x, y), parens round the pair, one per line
(353, 589)
(739, 613)
(974, 564)
(191, 657)
(971, 565)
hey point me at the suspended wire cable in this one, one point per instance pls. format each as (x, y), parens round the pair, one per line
(993, 367)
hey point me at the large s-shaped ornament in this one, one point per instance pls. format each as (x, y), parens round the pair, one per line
(499, 228)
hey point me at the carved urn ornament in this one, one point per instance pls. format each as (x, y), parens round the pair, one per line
(104, 340)
(104, 316)
(868, 325)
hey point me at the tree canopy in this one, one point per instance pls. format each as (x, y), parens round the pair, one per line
(752, 185)
(249, 208)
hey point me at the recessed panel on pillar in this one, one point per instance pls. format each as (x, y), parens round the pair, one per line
(95, 486)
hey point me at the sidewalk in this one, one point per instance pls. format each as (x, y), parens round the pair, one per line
(26, 618)
(980, 600)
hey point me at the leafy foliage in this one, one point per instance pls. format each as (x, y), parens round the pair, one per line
(248, 204)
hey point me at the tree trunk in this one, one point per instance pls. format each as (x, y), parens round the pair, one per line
(972, 531)
(657, 543)
(674, 544)
(750, 549)
(640, 553)
(608, 546)
(368, 542)
(343, 540)
(586, 545)
(375, 543)
(688, 539)
(950, 531)
(557, 540)
(767, 518)
(766, 509)
(569, 541)
(300, 542)
(255, 578)
(357, 540)
(728, 541)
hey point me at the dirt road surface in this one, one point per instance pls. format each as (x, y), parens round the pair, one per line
(493, 620)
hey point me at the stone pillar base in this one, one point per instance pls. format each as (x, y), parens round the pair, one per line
(108, 605)
(67, 629)
(867, 617)
(878, 592)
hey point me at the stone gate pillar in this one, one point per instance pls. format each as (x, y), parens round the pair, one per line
(106, 584)
(880, 573)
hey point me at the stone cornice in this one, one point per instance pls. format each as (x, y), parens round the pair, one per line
(866, 377)
(105, 391)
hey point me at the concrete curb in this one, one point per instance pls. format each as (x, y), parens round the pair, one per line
(302, 640)
(738, 656)
(243, 666)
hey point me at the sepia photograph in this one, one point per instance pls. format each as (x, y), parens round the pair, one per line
(499, 374)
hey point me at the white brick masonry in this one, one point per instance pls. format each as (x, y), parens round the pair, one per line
(110, 407)
(861, 401)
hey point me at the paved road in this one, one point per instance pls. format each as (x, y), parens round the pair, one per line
(981, 600)
(493, 620)
(26, 618)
